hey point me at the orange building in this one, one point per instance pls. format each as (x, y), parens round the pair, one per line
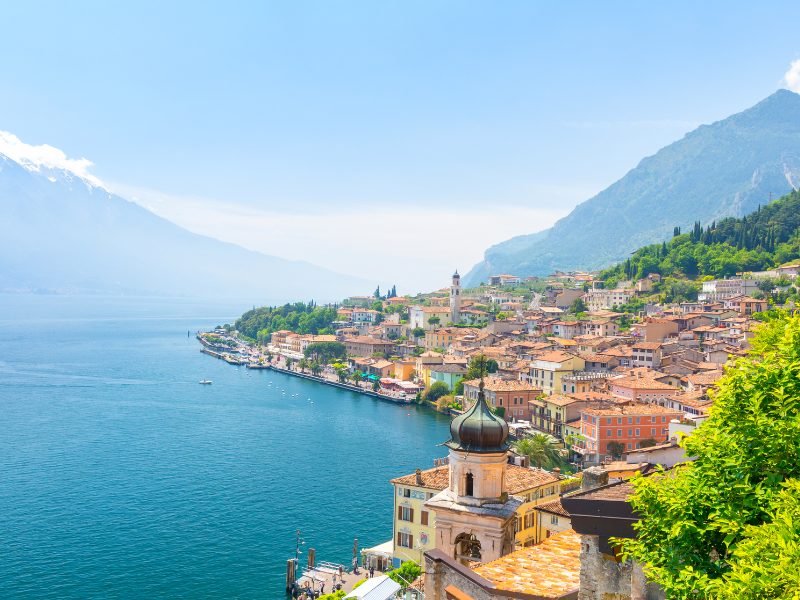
(627, 424)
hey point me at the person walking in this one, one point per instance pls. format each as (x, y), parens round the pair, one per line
(371, 571)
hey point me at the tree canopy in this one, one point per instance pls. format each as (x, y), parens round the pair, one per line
(725, 525)
(326, 352)
(761, 240)
(299, 317)
(541, 449)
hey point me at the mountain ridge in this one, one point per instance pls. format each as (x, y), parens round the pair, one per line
(726, 168)
(64, 233)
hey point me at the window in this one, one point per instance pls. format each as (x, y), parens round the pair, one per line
(405, 540)
(608, 421)
(637, 433)
(630, 432)
(553, 520)
(619, 420)
(406, 493)
(630, 420)
(468, 487)
(653, 431)
(619, 432)
(424, 517)
(610, 433)
(405, 513)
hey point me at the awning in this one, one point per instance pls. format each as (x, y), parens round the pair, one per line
(376, 588)
(385, 549)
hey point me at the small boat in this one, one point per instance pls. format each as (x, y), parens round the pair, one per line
(205, 382)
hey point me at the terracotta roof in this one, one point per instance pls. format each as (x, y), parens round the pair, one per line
(647, 346)
(554, 356)
(614, 491)
(493, 384)
(433, 479)
(641, 383)
(522, 479)
(554, 508)
(549, 570)
(631, 409)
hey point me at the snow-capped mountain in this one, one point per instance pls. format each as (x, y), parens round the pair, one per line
(63, 231)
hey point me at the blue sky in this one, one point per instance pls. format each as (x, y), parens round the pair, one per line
(395, 140)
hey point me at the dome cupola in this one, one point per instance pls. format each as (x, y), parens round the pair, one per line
(478, 430)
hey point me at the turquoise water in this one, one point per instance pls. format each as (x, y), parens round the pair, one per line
(121, 477)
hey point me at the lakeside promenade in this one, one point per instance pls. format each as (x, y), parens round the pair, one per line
(250, 358)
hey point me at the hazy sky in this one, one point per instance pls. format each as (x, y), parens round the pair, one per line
(393, 140)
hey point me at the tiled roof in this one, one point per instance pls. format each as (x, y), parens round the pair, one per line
(494, 384)
(522, 479)
(549, 570)
(554, 356)
(433, 479)
(631, 409)
(519, 480)
(554, 508)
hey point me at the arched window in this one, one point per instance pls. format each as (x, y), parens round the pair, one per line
(467, 548)
(469, 485)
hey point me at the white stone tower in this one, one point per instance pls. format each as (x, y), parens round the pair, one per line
(455, 299)
(474, 514)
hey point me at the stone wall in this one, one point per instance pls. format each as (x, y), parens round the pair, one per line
(604, 578)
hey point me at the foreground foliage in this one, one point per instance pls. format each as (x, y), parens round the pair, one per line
(727, 525)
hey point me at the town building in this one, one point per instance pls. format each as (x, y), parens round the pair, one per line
(512, 396)
(549, 368)
(628, 425)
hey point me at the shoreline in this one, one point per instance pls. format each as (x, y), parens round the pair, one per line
(221, 355)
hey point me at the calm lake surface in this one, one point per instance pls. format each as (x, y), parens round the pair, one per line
(121, 477)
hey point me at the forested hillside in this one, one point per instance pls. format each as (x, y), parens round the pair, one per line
(299, 317)
(766, 238)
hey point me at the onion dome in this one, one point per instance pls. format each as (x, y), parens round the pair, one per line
(456, 275)
(478, 430)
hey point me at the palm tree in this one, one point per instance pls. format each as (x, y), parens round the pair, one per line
(302, 365)
(316, 369)
(541, 449)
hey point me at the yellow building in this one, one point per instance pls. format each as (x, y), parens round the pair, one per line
(404, 369)
(414, 525)
(548, 369)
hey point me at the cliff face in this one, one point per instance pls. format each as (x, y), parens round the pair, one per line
(724, 169)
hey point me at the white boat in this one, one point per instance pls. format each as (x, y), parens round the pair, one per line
(205, 382)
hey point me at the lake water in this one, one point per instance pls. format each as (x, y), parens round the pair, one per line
(121, 477)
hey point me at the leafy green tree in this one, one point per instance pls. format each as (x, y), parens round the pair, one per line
(705, 523)
(302, 364)
(481, 365)
(436, 391)
(434, 320)
(578, 306)
(615, 449)
(356, 377)
(541, 449)
(326, 352)
(418, 332)
(406, 574)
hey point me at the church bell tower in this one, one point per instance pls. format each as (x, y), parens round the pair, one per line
(474, 514)
(455, 299)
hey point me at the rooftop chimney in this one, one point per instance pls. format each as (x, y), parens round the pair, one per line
(593, 477)
(418, 473)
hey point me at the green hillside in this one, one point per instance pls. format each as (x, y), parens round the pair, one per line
(764, 239)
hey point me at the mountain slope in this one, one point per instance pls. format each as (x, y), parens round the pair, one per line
(61, 233)
(724, 169)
